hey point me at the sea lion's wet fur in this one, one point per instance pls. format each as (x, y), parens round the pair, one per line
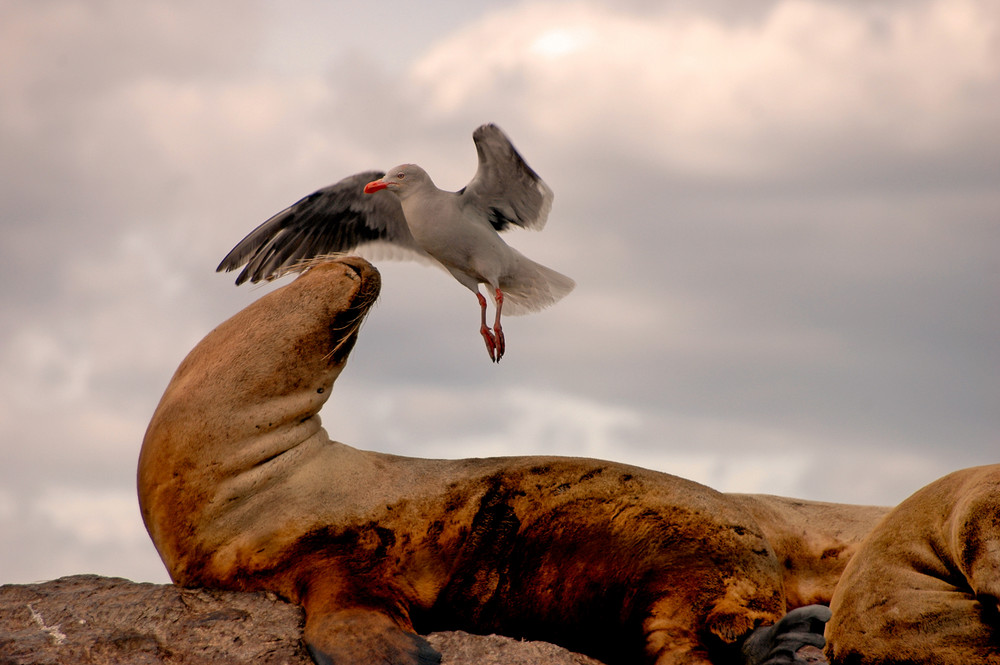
(924, 585)
(241, 488)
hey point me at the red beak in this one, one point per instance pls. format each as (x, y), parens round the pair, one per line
(374, 186)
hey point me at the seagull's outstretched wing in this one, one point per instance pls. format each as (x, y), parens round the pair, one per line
(505, 188)
(334, 219)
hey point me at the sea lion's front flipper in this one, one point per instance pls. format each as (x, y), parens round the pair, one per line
(352, 636)
(779, 644)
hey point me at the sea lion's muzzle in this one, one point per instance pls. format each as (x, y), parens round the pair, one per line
(347, 322)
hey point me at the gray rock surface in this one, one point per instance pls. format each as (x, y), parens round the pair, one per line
(94, 620)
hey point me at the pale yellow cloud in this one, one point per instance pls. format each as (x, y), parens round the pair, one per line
(711, 96)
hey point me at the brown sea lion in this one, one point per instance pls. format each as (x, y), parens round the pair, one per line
(813, 540)
(241, 488)
(923, 586)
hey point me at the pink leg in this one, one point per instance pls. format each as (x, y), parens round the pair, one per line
(491, 342)
(497, 330)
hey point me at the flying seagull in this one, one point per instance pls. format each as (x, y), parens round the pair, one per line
(403, 210)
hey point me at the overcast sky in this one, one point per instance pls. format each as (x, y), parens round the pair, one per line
(783, 218)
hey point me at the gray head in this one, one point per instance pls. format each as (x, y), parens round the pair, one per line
(403, 180)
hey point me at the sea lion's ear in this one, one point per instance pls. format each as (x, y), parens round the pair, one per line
(352, 636)
(779, 644)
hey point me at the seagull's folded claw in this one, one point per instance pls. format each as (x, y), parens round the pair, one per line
(501, 344)
(491, 343)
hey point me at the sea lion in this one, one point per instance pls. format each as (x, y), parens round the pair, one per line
(923, 586)
(813, 540)
(241, 488)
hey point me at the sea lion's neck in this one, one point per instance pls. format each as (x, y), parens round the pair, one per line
(241, 413)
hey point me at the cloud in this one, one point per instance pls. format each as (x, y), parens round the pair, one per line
(780, 218)
(92, 516)
(727, 453)
(73, 530)
(705, 96)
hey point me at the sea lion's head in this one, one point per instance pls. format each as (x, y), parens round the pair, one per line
(244, 404)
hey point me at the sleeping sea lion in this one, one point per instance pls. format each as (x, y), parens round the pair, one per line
(241, 488)
(813, 540)
(923, 586)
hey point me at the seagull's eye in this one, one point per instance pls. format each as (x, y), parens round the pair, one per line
(400, 175)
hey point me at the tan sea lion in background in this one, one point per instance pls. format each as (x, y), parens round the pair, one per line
(241, 488)
(812, 540)
(924, 585)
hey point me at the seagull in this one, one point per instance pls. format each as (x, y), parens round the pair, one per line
(401, 213)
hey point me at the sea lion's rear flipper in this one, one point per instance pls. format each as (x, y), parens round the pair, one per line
(779, 644)
(352, 636)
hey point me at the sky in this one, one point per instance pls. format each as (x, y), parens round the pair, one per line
(783, 218)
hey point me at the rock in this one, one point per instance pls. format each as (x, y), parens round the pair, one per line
(93, 620)
(459, 648)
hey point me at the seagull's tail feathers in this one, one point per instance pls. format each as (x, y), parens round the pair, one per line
(532, 287)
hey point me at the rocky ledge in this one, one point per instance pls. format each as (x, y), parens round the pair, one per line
(92, 620)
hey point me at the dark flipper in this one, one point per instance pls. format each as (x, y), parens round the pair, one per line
(779, 644)
(357, 636)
